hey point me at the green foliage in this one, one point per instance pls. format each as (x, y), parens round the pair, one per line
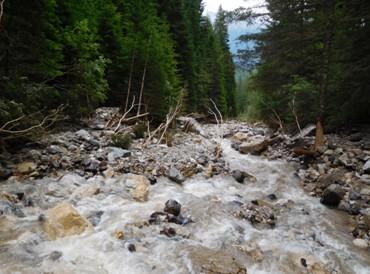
(88, 53)
(313, 62)
(122, 140)
(140, 130)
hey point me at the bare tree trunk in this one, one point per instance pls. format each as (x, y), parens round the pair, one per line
(130, 81)
(142, 85)
(1, 9)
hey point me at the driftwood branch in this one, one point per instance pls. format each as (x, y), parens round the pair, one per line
(292, 107)
(219, 121)
(45, 123)
(163, 127)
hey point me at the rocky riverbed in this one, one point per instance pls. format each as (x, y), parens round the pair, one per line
(73, 203)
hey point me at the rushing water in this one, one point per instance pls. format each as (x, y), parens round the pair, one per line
(304, 227)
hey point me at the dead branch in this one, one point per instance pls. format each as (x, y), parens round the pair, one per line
(163, 127)
(142, 84)
(278, 118)
(219, 121)
(130, 80)
(124, 115)
(48, 121)
(292, 107)
(1, 9)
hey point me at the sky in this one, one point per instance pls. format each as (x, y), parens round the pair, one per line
(211, 6)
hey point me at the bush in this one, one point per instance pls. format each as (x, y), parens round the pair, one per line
(122, 140)
(139, 130)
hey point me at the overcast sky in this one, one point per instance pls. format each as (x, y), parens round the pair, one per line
(211, 6)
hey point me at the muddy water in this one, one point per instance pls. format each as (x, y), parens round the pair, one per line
(304, 228)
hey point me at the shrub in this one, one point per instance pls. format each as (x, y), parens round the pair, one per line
(122, 140)
(139, 130)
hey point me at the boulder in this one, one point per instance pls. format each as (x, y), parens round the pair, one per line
(139, 187)
(208, 261)
(255, 146)
(172, 207)
(26, 168)
(175, 175)
(366, 167)
(332, 195)
(63, 220)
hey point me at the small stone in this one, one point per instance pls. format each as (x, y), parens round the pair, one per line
(365, 191)
(26, 168)
(361, 243)
(119, 235)
(83, 135)
(169, 232)
(272, 197)
(173, 207)
(366, 167)
(332, 195)
(131, 247)
(175, 175)
(55, 255)
(108, 173)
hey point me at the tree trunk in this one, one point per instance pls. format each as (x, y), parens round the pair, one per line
(130, 81)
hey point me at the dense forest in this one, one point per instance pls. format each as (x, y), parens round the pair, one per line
(311, 60)
(90, 53)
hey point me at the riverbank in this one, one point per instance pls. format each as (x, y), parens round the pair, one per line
(77, 204)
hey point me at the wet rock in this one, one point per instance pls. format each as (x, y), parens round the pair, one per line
(95, 217)
(172, 207)
(366, 167)
(55, 255)
(255, 146)
(208, 261)
(272, 197)
(168, 231)
(131, 247)
(257, 214)
(63, 220)
(241, 176)
(138, 186)
(361, 243)
(26, 168)
(117, 153)
(175, 175)
(332, 195)
(9, 208)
